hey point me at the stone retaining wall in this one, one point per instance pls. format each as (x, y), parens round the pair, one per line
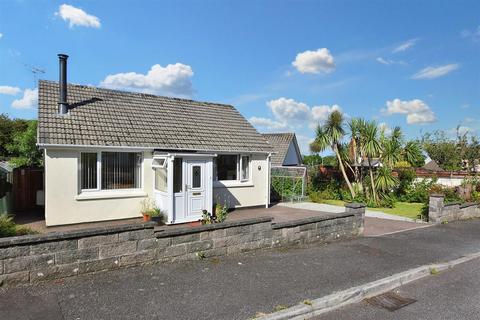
(439, 212)
(36, 258)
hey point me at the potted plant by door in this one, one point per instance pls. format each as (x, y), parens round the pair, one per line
(146, 209)
(158, 215)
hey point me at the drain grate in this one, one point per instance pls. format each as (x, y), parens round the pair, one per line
(391, 301)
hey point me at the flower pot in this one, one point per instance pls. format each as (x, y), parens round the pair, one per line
(146, 217)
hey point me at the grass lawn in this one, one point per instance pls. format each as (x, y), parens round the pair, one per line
(404, 209)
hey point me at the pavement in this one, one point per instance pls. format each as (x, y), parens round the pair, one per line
(332, 208)
(453, 294)
(239, 286)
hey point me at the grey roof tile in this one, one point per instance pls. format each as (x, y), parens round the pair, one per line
(280, 143)
(106, 117)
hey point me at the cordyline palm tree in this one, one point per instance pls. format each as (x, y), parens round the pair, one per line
(331, 135)
(371, 149)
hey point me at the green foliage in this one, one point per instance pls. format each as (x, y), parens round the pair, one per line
(286, 187)
(412, 153)
(220, 215)
(313, 159)
(24, 149)
(385, 182)
(221, 212)
(448, 152)
(9, 128)
(8, 228)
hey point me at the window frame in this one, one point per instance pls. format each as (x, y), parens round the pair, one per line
(239, 161)
(99, 172)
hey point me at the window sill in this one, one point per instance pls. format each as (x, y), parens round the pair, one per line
(232, 184)
(115, 194)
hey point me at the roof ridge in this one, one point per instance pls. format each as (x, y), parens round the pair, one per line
(83, 86)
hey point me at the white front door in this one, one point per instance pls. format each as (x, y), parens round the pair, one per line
(196, 188)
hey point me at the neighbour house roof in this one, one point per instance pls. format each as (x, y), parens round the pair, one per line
(103, 117)
(280, 143)
(5, 166)
(374, 162)
(432, 165)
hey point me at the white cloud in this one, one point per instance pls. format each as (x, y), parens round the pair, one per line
(405, 46)
(288, 113)
(28, 101)
(289, 110)
(304, 143)
(77, 17)
(321, 113)
(319, 61)
(435, 72)
(172, 80)
(474, 34)
(417, 111)
(389, 61)
(267, 123)
(385, 128)
(9, 90)
(1, 35)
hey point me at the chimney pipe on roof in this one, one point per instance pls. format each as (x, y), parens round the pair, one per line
(62, 98)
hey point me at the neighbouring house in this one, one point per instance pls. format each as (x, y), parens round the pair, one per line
(107, 150)
(432, 165)
(6, 182)
(285, 148)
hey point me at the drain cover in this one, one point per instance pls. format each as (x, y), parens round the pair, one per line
(391, 301)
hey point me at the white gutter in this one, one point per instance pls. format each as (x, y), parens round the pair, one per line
(80, 146)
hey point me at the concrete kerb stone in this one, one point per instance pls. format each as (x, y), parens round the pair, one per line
(359, 293)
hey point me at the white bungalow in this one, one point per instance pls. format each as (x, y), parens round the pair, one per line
(106, 151)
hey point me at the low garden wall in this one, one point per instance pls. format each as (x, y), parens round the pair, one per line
(439, 212)
(36, 258)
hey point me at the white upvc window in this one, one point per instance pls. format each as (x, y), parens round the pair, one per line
(232, 167)
(110, 170)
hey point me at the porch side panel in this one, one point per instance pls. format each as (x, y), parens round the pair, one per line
(62, 187)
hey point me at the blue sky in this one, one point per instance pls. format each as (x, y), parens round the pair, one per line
(284, 64)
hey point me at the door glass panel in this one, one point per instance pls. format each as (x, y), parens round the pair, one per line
(196, 176)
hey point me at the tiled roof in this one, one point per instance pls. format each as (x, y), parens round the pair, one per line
(103, 117)
(432, 165)
(280, 143)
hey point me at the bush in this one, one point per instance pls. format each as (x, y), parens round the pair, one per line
(8, 228)
(418, 191)
(286, 187)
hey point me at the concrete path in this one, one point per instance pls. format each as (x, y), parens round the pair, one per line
(332, 208)
(453, 294)
(237, 287)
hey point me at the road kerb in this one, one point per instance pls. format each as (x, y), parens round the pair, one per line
(356, 294)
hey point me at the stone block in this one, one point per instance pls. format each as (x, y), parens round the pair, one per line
(28, 263)
(261, 226)
(117, 249)
(147, 244)
(306, 227)
(54, 246)
(172, 251)
(66, 257)
(186, 238)
(216, 252)
(199, 246)
(54, 272)
(262, 235)
(97, 240)
(14, 279)
(136, 258)
(98, 265)
(238, 230)
(13, 252)
(136, 235)
(213, 234)
(1, 267)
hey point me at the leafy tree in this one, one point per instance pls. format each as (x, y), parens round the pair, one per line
(331, 135)
(450, 153)
(8, 129)
(24, 147)
(371, 148)
(312, 159)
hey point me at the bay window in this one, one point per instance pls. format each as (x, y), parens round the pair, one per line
(110, 170)
(232, 167)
